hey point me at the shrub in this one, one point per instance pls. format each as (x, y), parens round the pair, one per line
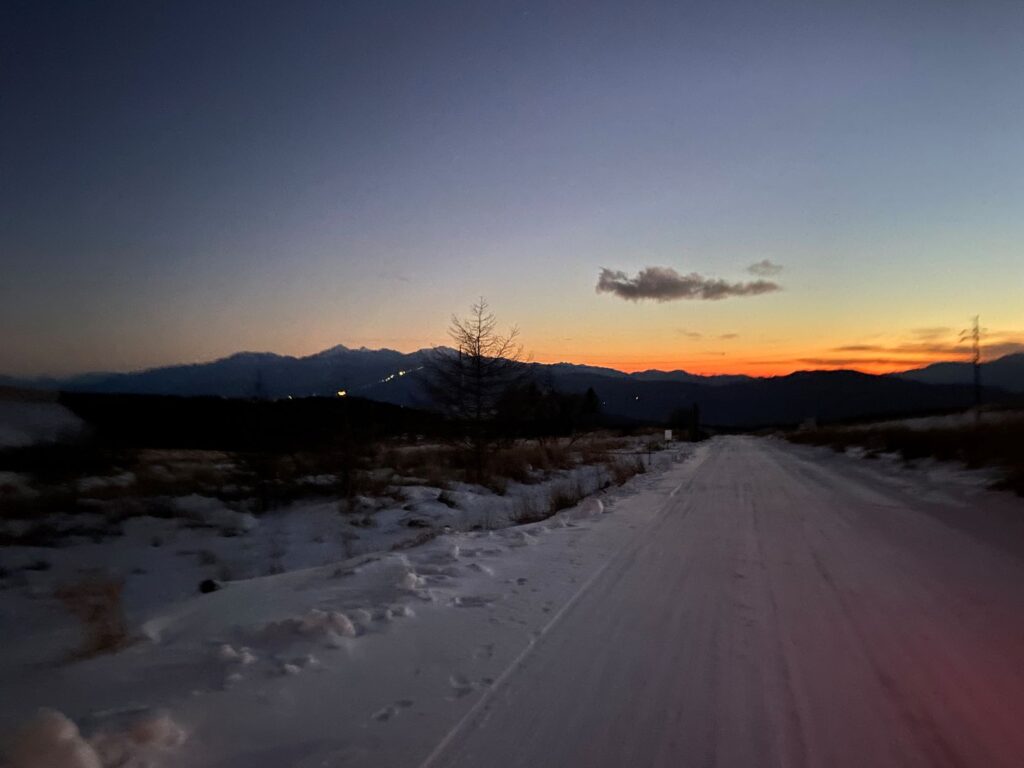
(527, 511)
(564, 496)
(623, 468)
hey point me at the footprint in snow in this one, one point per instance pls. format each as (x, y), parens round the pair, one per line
(461, 686)
(473, 601)
(385, 714)
(485, 651)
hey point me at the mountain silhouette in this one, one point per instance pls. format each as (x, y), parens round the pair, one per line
(649, 396)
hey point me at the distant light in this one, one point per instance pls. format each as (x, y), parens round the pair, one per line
(401, 373)
(342, 393)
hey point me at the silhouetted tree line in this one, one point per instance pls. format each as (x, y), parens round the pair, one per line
(685, 422)
(274, 426)
(532, 411)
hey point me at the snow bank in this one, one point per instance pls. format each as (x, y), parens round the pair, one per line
(51, 740)
(140, 743)
(410, 581)
(590, 507)
(315, 623)
(16, 485)
(214, 513)
(27, 423)
(92, 484)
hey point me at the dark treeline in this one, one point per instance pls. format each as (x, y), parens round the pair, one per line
(213, 423)
(532, 411)
(527, 410)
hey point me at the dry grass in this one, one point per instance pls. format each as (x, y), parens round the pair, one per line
(520, 461)
(529, 510)
(421, 538)
(563, 496)
(96, 601)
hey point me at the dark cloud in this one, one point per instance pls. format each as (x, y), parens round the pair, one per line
(860, 361)
(727, 336)
(861, 348)
(909, 348)
(936, 332)
(913, 353)
(765, 268)
(665, 284)
(689, 334)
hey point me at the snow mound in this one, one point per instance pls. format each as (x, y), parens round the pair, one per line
(28, 423)
(140, 743)
(410, 581)
(362, 615)
(214, 513)
(16, 485)
(51, 740)
(316, 623)
(228, 653)
(93, 484)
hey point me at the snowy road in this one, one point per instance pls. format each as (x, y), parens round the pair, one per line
(779, 612)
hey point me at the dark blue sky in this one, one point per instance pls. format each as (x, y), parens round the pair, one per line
(184, 180)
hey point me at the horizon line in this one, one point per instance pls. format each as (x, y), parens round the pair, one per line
(783, 367)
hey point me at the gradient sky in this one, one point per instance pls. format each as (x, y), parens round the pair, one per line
(180, 181)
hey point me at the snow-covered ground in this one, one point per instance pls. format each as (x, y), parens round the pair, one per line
(314, 617)
(751, 602)
(194, 538)
(24, 422)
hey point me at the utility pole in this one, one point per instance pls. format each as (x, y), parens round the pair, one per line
(974, 334)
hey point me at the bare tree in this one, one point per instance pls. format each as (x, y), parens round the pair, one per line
(467, 381)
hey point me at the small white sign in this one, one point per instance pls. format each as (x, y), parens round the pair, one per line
(668, 435)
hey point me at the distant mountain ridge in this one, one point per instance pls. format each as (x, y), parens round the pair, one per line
(645, 396)
(339, 368)
(1006, 372)
(255, 374)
